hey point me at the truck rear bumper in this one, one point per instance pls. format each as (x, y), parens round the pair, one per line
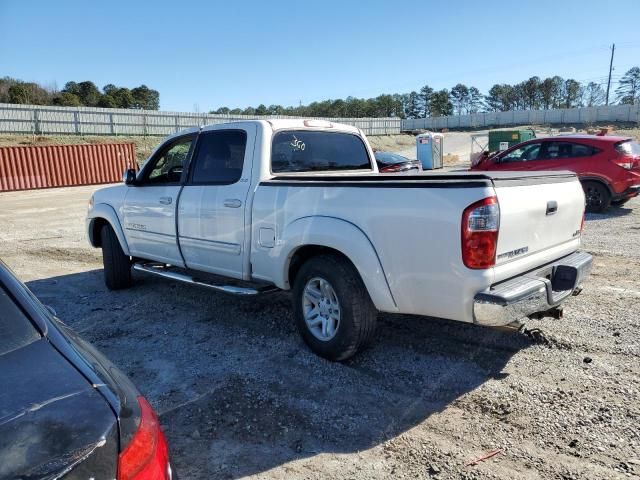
(533, 293)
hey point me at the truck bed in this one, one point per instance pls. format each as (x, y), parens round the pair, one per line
(414, 224)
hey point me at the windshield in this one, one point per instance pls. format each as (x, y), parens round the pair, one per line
(388, 158)
(16, 329)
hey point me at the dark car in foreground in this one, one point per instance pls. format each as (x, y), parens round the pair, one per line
(608, 166)
(65, 410)
(392, 162)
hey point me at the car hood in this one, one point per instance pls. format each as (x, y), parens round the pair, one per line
(53, 422)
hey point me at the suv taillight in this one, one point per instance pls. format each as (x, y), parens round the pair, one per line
(624, 162)
(146, 457)
(480, 225)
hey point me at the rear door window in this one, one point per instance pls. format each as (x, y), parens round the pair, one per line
(219, 157)
(16, 330)
(559, 150)
(309, 151)
(579, 150)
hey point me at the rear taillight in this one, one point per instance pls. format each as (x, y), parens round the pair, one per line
(146, 457)
(391, 168)
(480, 225)
(624, 162)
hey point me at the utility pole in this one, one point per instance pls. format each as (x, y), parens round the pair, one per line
(613, 49)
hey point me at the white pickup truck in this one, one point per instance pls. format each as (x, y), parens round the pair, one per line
(255, 206)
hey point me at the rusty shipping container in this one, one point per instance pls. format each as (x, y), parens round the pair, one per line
(44, 166)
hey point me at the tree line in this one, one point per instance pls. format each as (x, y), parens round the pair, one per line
(532, 94)
(78, 94)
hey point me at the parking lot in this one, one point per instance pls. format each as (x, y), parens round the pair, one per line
(239, 394)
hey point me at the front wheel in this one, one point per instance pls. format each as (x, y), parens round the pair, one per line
(597, 197)
(332, 307)
(117, 265)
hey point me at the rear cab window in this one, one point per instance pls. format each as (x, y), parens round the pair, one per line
(318, 151)
(16, 330)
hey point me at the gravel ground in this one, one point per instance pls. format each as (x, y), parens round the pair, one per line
(239, 395)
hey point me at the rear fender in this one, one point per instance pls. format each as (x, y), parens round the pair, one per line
(596, 179)
(107, 213)
(346, 238)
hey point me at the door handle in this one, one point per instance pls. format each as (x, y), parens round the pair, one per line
(166, 200)
(232, 203)
(552, 207)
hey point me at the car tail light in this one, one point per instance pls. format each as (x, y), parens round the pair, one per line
(480, 225)
(146, 457)
(391, 168)
(624, 162)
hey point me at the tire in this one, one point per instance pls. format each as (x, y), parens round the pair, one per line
(117, 265)
(356, 318)
(597, 196)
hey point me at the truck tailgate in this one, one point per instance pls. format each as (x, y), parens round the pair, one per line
(538, 212)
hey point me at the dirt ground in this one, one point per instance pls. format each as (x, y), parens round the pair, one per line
(239, 395)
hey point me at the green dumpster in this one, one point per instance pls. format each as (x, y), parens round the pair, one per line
(503, 139)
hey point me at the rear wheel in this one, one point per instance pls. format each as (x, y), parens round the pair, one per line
(332, 307)
(117, 265)
(597, 197)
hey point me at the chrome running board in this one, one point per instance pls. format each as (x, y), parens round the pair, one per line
(162, 270)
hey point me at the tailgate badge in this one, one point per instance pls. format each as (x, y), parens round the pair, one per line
(513, 253)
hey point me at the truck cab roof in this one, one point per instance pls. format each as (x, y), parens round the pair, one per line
(276, 124)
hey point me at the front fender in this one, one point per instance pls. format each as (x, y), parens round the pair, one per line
(107, 213)
(346, 238)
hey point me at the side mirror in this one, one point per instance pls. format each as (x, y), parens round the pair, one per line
(129, 176)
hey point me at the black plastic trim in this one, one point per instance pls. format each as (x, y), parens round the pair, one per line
(418, 181)
(476, 184)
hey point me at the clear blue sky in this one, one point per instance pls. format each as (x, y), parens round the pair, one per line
(240, 53)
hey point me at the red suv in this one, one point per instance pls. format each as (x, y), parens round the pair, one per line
(608, 166)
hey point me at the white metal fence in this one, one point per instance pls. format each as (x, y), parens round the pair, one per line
(48, 120)
(570, 116)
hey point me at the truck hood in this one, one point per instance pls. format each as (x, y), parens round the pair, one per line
(113, 194)
(53, 422)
